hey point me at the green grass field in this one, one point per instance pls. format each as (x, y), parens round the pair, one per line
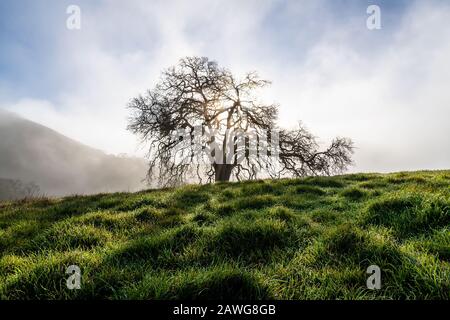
(309, 238)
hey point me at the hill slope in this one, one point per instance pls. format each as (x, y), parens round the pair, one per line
(309, 238)
(59, 165)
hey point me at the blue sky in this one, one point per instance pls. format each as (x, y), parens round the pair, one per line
(31, 33)
(328, 70)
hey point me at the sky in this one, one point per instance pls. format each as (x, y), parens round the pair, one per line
(387, 89)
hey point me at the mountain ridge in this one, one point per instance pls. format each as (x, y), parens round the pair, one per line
(60, 165)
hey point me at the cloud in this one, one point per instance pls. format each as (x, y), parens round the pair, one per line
(386, 89)
(393, 104)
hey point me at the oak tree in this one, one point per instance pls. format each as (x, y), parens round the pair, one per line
(203, 123)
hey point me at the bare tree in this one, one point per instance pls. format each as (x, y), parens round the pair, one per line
(199, 98)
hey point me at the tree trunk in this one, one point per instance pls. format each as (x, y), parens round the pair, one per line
(223, 172)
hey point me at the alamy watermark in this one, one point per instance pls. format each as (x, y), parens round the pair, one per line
(231, 146)
(74, 280)
(373, 22)
(73, 21)
(374, 280)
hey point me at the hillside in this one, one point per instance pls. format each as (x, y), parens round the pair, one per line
(30, 152)
(309, 238)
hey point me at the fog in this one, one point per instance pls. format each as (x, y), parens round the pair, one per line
(30, 152)
(385, 89)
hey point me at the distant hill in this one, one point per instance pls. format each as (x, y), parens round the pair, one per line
(31, 152)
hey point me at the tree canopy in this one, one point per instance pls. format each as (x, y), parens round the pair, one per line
(203, 123)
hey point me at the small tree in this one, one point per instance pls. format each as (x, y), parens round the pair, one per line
(199, 114)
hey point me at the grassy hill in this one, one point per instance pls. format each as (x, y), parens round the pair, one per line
(309, 238)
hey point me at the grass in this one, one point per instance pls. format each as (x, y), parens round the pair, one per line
(309, 238)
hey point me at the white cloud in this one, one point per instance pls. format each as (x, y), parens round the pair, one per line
(394, 103)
